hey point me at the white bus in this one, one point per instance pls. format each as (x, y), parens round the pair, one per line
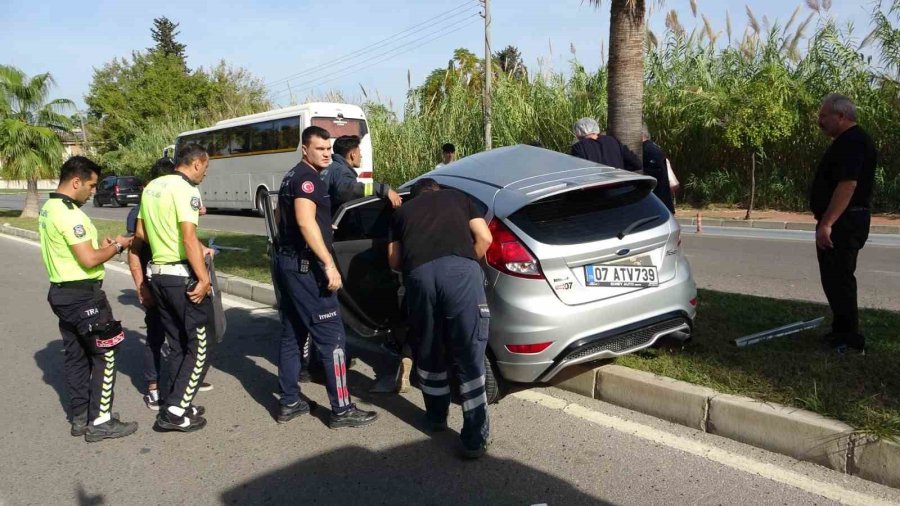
(250, 155)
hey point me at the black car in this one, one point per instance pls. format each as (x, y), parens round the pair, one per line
(118, 191)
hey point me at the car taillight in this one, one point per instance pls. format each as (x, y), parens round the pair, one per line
(528, 348)
(365, 174)
(508, 255)
(693, 301)
(116, 189)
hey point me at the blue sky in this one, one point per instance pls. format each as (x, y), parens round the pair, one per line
(275, 39)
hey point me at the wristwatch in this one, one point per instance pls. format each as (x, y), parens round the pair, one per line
(118, 246)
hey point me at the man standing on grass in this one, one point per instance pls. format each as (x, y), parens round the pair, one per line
(840, 198)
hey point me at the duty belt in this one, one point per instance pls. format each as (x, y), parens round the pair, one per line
(81, 284)
(170, 270)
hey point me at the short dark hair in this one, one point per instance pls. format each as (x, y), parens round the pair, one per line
(80, 167)
(424, 185)
(161, 167)
(189, 153)
(313, 131)
(448, 148)
(345, 144)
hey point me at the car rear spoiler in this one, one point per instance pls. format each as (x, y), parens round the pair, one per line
(521, 193)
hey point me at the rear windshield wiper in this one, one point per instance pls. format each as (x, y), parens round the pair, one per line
(643, 221)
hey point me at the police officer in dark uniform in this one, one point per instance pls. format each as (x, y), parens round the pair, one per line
(180, 282)
(308, 280)
(340, 176)
(840, 198)
(74, 260)
(436, 240)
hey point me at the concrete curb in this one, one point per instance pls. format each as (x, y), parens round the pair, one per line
(262, 293)
(774, 225)
(798, 433)
(801, 434)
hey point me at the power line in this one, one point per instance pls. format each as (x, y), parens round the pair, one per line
(419, 27)
(313, 83)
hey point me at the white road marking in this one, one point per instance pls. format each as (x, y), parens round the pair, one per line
(718, 455)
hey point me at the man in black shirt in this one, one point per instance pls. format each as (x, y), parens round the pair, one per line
(601, 148)
(655, 165)
(840, 198)
(436, 240)
(308, 280)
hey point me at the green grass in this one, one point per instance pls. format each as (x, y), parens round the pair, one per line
(793, 370)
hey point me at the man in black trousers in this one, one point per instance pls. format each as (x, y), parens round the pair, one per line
(840, 198)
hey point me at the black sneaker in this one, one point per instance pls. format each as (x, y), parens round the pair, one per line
(288, 412)
(305, 376)
(79, 424)
(205, 387)
(195, 411)
(432, 426)
(111, 429)
(152, 402)
(353, 417)
(167, 421)
(846, 349)
(475, 453)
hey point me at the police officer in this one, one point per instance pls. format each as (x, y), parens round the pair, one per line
(840, 199)
(74, 260)
(340, 176)
(308, 279)
(436, 240)
(170, 211)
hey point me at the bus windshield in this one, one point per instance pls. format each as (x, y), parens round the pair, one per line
(338, 126)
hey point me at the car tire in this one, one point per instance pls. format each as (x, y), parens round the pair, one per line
(97, 202)
(493, 382)
(114, 203)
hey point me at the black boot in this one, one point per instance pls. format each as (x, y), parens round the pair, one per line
(186, 423)
(79, 424)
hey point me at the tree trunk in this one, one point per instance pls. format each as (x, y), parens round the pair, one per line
(752, 185)
(625, 90)
(30, 210)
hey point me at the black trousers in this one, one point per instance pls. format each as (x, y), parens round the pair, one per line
(187, 327)
(153, 352)
(837, 269)
(90, 360)
(449, 320)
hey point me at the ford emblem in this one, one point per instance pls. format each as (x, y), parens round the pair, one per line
(622, 252)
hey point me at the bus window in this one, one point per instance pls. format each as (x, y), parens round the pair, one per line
(341, 126)
(240, 140)
(287, 133)
(262, 137)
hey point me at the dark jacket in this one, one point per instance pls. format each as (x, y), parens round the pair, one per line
(343, 186)
(655, 165)
(606, 150)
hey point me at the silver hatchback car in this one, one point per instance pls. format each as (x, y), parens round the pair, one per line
(586, 262)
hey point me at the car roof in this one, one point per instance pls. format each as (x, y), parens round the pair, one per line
(512, 177)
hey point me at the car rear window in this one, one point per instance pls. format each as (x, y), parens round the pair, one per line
(591, 214)
(129, 181)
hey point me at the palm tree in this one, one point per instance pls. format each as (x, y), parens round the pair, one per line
(30, 147)
(625, 88)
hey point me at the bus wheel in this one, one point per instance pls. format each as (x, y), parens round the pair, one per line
(260, 202)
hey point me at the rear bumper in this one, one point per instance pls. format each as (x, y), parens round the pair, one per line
(127, 198)
(586, 332)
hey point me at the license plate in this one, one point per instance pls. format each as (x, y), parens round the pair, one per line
(132, 196)
(620, 276)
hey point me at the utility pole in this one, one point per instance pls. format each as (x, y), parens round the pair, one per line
(487, 74)
(290, 92)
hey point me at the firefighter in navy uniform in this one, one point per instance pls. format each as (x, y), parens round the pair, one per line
(179, 283)
(436, 240)
(74, 260)
(308, 280)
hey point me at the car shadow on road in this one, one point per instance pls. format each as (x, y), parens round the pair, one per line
(408, 474)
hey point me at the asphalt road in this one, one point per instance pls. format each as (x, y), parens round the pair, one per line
(549, 447)
(770, 263)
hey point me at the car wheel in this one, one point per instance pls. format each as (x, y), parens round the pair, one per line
(493, 382)
(97, 202)
(260, 202)
(114, 203)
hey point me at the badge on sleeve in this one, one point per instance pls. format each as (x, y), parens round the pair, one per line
(78, 230)
(195, 203)
(308, 187)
